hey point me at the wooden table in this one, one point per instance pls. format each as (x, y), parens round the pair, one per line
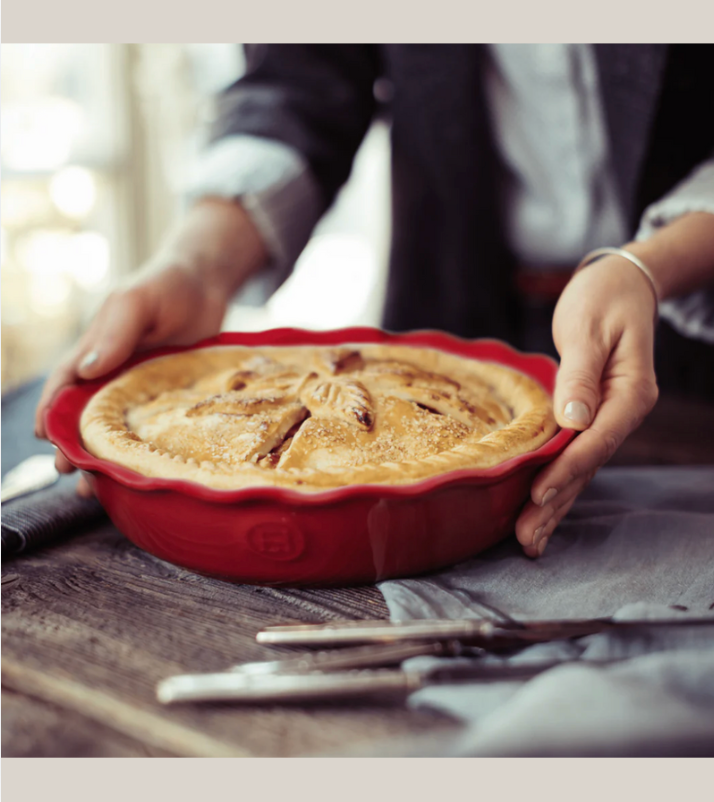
(91, 624)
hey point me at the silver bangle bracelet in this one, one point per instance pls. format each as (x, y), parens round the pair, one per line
(598, 253)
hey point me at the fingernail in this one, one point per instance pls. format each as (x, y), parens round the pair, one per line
(549, 495)
(577, 412)
(541, 546)
(89, 360)
(538, 534)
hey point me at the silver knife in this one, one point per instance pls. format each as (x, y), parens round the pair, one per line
(341, 685)
(478, 632)
(34, 473)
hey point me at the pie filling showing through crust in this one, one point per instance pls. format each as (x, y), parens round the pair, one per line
(314, 418)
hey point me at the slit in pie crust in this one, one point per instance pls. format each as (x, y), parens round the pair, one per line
(312, 418)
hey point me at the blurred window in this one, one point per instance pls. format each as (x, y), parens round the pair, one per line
(64, 146)
(95, 144)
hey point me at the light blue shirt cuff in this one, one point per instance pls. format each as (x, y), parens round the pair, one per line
(691, 315)
(274, 185)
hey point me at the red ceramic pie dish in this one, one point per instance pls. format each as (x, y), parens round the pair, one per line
(349, 535)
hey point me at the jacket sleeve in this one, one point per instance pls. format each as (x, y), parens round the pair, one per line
(283, 142)
(316, 99)
(691, 315)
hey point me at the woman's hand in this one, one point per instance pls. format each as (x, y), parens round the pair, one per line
(180, 297)
(603, 328)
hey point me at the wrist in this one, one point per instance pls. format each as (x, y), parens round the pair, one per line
(650, 255)
(218, 241)
(680, 255)
(637, 272)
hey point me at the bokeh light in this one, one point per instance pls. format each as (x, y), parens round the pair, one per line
(49, 293)
(73, 191)
(44, 252)
(88, 259)
(39, 135)
(24, 203)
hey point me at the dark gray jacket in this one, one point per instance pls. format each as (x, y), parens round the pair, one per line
(450, 267)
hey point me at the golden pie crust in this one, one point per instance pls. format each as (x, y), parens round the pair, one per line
(310, 418)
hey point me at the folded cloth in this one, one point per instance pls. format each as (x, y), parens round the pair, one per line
(46, 516)
(638, 543)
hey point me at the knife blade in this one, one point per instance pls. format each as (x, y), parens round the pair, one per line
(371, 656)
(477, 632)
(34, 473)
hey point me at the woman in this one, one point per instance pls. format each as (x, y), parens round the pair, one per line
(507, 161)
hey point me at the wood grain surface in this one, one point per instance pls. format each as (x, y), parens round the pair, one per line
(91, 625)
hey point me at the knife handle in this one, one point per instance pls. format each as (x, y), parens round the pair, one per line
(349, 633)
(286, 688)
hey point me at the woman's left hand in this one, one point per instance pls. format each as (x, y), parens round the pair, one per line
(603, 328)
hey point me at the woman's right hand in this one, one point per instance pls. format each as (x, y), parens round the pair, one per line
(180, 297)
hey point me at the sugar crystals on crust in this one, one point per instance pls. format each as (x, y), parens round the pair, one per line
(312, 418)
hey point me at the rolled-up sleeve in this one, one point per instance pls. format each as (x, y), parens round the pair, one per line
(284, 138)
(691, 315)
(273, 183)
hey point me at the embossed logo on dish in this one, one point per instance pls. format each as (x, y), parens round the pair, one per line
(277, 541)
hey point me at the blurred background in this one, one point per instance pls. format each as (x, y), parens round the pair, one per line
(97, 142)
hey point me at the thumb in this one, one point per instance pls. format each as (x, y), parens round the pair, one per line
(116, 333)
(577, 386)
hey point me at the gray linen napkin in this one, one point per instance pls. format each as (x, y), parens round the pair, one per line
(638, 543)
(46, 516)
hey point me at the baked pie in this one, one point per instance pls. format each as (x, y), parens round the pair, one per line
(314, 418)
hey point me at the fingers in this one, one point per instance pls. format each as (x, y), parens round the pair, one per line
(577, 387)
(83, 488)
(111, 338)
(618, 416)
(62, 464)
(116, 333)
(543, 532)
(536, 523)
(64, 375)
(627, 399)
(626, 391)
